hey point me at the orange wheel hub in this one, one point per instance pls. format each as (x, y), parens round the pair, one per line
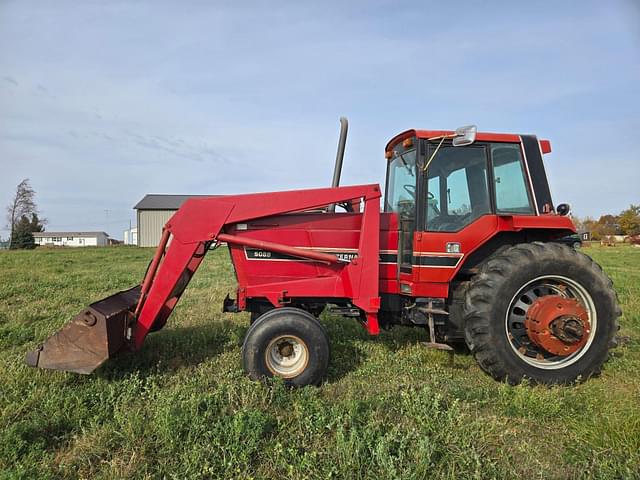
(557, 324)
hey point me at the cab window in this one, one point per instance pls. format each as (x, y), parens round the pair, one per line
(401, 184)
(457, 188)
(512, 194)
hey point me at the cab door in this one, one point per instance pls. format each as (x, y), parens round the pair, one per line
(457, 189)
(403, 187)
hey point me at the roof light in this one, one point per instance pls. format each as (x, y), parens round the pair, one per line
(545, 146)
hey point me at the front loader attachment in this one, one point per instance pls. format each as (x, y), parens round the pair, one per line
(96, 334)
(122, 321)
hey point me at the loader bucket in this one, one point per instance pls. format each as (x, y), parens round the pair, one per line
(97, 333)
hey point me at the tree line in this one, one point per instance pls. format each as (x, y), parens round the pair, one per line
(22, 217)
(625, 223)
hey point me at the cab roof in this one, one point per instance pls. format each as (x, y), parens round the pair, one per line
(545, 145)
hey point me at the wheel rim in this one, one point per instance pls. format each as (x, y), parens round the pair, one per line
(520, 304)
(287, 356)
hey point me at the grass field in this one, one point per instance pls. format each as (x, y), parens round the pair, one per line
(182, 407)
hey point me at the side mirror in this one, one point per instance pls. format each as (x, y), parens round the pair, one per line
(465, 136)
(563, 209)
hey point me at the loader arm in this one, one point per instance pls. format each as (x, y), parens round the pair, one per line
(185, 241)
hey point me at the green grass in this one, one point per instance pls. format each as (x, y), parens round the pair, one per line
(182, 407)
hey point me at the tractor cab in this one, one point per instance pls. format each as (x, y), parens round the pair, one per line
(450, 191)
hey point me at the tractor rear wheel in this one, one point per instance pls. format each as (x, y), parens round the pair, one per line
(288, 343)
(540, 311)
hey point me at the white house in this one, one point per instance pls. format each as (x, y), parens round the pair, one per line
(71, 239)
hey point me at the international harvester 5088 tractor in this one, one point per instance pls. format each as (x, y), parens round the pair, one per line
(463, 247)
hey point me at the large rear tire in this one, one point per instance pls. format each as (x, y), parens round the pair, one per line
(498, 314)
(288, 343)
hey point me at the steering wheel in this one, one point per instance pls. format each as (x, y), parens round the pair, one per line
(411, 190)
(430, 195)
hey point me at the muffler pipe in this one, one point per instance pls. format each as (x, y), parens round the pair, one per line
(342, 143)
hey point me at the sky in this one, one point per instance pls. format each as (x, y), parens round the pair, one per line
(104, 102)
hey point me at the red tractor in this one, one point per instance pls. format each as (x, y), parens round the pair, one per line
(464, 247)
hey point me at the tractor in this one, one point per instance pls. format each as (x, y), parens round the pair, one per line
(464, 246)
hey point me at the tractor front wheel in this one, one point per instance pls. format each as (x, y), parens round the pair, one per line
(288, 343)
(541, 311)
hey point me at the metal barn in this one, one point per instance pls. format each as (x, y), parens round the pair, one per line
(152, 212)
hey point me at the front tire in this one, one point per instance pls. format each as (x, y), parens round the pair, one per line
(498, 312)
(288, 343)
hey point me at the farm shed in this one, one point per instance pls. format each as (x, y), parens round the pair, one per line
(152, 212)
(71, 239)
(130, 237)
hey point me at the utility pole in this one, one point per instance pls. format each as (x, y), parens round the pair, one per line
(106, 212)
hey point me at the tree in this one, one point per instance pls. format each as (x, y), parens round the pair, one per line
(22, 204)
(36, 224)
(610, 224)
(629, 220)
(22, 234)
(606, 226)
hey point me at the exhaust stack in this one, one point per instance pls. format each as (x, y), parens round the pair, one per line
(342, 143)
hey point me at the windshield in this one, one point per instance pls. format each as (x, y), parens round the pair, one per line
(401, 184)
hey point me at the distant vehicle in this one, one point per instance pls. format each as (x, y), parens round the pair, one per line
(573, 241)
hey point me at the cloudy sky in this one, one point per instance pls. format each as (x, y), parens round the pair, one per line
(103, 102)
